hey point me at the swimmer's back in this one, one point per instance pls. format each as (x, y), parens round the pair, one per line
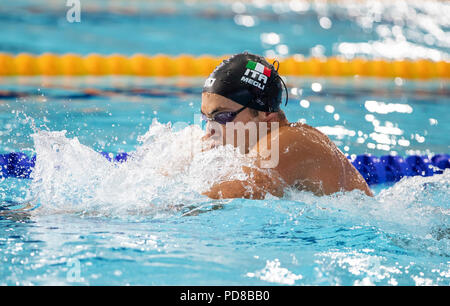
(309, 160)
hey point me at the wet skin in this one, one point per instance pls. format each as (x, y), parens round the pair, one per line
(308, 159)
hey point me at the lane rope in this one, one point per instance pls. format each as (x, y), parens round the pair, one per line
(49, 64)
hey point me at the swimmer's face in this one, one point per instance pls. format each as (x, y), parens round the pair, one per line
(213, 104)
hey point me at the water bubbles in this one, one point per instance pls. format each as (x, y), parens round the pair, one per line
(304, 103)
(419, 138)
(282, 49)
(318, 51)
(433, 121)
(274, 273)
(383, 30)
(296, 91)
(316, 87)
(403, 142)
(329, 108)
(167, 172)
(325, 23)
(299, 5)
(245, 20)
(385, 108)
(398, 81)
(369, 117)
(339, 131)
(270, 38)
(238, 7)
(397, 32)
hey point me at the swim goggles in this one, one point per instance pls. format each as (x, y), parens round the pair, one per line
(223, 117)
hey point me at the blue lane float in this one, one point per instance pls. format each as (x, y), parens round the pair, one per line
(16, 164)
(375, 170)
(388, 168)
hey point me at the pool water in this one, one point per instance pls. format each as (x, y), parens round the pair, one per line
(82, 220)
(374, 29)
(85, 220)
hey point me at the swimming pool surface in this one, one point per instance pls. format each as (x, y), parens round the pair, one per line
(144, 221)
(83, 220)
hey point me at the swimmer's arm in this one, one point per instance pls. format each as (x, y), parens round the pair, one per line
(258, 185)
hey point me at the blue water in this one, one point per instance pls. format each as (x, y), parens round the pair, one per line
(84, 220)
(109, 113)
(129, 224)
(372, 29)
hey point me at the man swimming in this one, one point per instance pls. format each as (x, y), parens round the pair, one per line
(242, 96)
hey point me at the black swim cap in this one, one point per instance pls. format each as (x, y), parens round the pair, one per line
(249, 80)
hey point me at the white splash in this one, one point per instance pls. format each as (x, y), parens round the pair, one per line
(414, 213)
(369, 268)
(167, 171)
(274, 273)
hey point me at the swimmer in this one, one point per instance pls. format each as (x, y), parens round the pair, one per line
(242, 96)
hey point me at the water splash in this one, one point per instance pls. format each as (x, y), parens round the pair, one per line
(168, 171)
(414, 213)
(274, 273)
(397, 237)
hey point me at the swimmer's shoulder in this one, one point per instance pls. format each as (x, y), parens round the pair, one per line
(315, 151)
(295, 142)
(302, 135)
(301, 151)
(302, 128)
(295, 135)
(309, 159)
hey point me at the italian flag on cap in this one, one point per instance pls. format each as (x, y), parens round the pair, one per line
(258, 67)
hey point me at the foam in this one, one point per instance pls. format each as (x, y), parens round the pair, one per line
(167, 171)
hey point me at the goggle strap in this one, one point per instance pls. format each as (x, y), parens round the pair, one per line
(286, 90)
